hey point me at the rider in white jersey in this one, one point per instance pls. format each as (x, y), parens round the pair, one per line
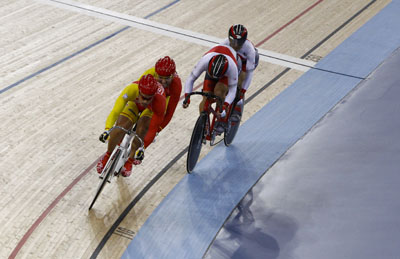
(248, 55)
(221, 74)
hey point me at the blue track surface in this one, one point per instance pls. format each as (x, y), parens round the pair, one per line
(186, 222)
(334, 193)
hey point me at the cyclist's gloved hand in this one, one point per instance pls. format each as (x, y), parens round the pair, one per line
(242, 92)
(186, 102)
(225, 109)
(139, 156)
(104, 136)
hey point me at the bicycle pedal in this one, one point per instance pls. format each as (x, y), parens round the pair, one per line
(212, 140)
(218, 133)
(101, 176)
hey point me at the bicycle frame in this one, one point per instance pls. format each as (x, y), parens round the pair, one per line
(124, 148)
(211, 114)
(117, 159)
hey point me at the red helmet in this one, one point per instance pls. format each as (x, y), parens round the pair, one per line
(217, 66)
(148, 85)
(165, 66)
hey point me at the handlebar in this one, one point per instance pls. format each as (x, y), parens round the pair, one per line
(129, 132)
(206, 94)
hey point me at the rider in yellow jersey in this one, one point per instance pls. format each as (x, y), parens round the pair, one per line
(141, 102)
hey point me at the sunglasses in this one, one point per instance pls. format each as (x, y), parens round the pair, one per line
(236, 42)
(166, 78)
(146, 97)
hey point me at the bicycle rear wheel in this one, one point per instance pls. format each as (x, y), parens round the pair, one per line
(196, 142)
(233, 126)
(110, 166)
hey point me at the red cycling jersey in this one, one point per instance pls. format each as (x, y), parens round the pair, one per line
(172, 93)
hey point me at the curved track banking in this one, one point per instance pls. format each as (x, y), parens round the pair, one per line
(180, 155)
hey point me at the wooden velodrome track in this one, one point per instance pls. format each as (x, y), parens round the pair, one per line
(61, 70)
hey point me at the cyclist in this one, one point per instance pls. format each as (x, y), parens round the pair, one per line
(141, 102)
(248, 56)
(165, 73)
(221, 78)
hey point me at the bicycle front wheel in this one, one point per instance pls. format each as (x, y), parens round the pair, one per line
(196, 142)
(110, 166)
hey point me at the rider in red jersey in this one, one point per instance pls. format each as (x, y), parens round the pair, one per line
(165, 73)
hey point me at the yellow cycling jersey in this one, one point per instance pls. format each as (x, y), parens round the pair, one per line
(130, 93)
(151, 71)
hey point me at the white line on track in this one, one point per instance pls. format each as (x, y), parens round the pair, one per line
(174, 32)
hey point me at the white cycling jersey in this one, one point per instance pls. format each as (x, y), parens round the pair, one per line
(231, 73)
(247, 54)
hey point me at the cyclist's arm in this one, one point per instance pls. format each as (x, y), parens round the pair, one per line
(251, 63)
(156, 119)
(231, 94)
(189, 83)
(175, 92)
(247, 80)
(232, 74)
(251, 57)
(200, 67)
(127, 94)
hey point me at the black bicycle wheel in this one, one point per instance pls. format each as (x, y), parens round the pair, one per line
(196, 142)
(103, 182)
(230, 134)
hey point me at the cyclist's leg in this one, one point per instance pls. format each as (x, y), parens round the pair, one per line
(208, 87)
(126, 119)
(142, 127)
(155, 126)
(241, 78)
(221, 88)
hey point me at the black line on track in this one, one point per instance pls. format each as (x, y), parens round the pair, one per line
(137, 22)
(311, 67)
(214, 42)
(133, 203)
(180, 155)
(268, 84)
